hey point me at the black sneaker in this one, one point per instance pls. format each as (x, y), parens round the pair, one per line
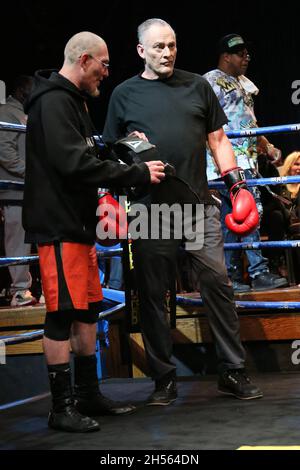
(240, 287)
(268, 281)
(70, 420)
(279, 281)
(165, 392)
(237, 383)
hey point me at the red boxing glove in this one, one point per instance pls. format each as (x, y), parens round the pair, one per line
(244, 218)
(112, 225)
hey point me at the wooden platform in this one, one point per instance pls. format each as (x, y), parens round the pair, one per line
(191, 328)
(20, 320)
(25, 319)
(256, 325)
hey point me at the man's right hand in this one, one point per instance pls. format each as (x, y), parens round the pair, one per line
(156, 169)
(138, 134)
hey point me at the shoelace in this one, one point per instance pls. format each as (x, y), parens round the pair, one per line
(74, 413)
(159, 386)
(239, 376)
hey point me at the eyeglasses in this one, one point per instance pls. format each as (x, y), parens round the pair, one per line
(243, 55)
(105, 64)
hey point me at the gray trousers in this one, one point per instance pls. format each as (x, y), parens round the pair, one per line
(14, 246)
(155, 265)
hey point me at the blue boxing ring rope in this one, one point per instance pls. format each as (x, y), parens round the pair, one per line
(183, 301)
(18, 260)
(38, 334)
(259, 182)
(254, 131)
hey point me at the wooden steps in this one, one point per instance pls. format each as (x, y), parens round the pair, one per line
(291, 294)
(255, 325)
(281, 294)
(20, 320)
(25, 319)
(191, 328)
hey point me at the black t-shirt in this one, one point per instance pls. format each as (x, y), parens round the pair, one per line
(176, 114)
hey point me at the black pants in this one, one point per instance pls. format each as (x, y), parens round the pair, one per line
(155, 265)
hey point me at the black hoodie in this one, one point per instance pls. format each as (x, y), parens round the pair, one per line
(63, 169)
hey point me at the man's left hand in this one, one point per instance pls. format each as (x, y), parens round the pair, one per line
(244, 218)
(274, 154)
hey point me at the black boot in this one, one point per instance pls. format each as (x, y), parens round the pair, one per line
(63, 415)
(88, 398)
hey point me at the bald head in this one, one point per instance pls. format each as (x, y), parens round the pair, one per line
(86, 62)
(146, 25)
(80, 43)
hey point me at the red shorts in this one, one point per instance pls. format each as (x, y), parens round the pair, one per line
(70, 276)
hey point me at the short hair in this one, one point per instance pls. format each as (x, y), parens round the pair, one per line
(80, 43)
(143, 27)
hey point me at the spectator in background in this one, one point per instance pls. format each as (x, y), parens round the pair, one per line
(291, 167)
(235, 93)
(275, 219)
(12, 167)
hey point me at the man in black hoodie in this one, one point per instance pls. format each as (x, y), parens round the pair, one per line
(63, 172)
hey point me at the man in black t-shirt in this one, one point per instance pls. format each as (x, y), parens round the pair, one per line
(178, 112)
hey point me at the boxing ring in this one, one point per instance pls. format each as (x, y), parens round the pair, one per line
(24, 427)
(116, 299)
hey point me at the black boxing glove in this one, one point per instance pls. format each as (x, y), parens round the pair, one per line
(132, 149)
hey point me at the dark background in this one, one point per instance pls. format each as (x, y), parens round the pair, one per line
(33, 35)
